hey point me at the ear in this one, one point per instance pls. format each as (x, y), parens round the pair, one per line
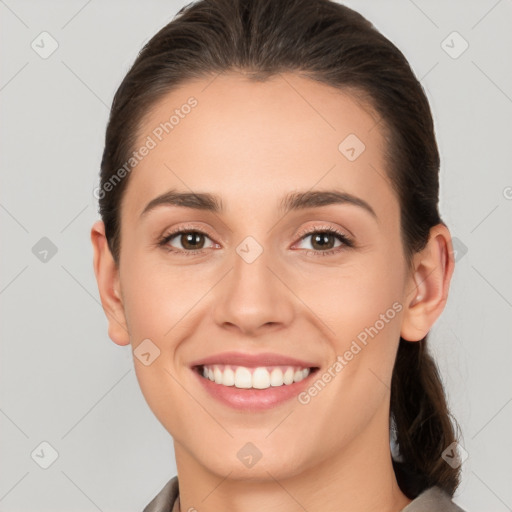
(107, 277)
(427, 288)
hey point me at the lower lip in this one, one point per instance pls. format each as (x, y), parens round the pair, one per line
(254, 399)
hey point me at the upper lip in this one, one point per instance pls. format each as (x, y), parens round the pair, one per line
(253, 360)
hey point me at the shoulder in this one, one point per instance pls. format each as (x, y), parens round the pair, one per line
(433, 499)
(165, 499)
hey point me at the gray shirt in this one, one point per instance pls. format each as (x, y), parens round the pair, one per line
(431, 500)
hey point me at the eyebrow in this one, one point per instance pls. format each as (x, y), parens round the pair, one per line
(290, 202)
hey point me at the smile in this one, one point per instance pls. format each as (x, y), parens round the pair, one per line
(253, 389)
(261, 377)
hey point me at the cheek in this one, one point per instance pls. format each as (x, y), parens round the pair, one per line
(160, 302)
(158, 297)
(352, 297)
(359, 307)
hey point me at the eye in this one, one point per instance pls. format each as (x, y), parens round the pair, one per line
(189, 241)
(323, 240)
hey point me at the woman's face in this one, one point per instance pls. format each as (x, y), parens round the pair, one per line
(257, 279)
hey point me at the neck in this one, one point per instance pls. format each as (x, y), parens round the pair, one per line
(357, 478)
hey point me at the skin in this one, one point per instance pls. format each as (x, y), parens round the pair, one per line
(252, 143)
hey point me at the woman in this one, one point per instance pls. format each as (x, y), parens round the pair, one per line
(271, 247)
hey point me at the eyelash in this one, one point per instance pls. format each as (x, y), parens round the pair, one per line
(346, 241)
(342, 237)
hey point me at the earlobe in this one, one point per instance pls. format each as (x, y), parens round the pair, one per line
(107, 278)
(427, 289)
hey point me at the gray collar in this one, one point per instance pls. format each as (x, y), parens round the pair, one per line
(433, 499)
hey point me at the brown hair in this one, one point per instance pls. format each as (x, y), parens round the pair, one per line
(330, 43)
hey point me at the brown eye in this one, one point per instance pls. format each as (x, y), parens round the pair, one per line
(325, 240)
(186, 241)
(322, 240)
(192, 240)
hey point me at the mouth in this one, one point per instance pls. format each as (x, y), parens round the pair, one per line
(253, 382)
(256, 378)
(253, 389)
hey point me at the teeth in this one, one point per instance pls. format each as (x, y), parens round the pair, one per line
(243, 378)
(256, 378)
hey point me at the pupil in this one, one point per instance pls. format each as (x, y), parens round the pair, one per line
(189, 239)
(323, 240)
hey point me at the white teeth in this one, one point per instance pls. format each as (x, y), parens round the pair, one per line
(228, 377)
(257, 378)
(217, 374)
(276, 377)
(288, 376)
(261, 378)
(243, 378)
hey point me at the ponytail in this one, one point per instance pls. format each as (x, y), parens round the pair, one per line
(421, 422)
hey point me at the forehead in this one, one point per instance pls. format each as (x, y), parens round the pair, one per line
(247, 140)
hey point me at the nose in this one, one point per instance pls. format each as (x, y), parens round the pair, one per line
(253, 297)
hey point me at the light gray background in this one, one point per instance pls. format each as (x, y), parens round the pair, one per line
(64, 382)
